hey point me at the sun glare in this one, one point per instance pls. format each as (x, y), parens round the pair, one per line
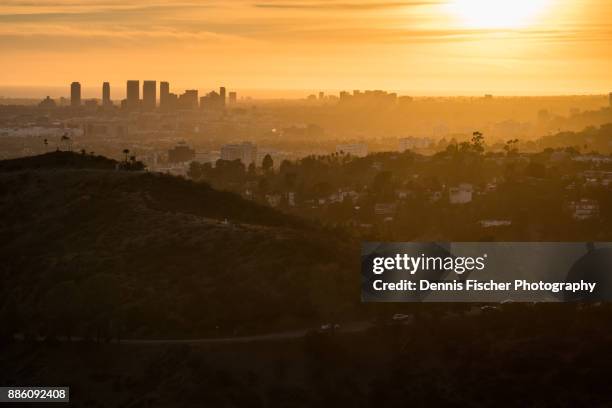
(497, 14)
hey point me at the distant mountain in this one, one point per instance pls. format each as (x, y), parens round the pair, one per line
(90, 250)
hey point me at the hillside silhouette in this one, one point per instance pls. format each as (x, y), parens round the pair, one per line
(91, 251)
(59, 160)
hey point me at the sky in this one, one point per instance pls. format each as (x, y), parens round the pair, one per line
(276, 47)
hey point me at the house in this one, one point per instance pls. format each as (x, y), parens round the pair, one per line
(350, 195)
(495, 223)
(291, 199)
(435, 196)
(584, 209)
(596, 178)
(335, 198)
(461, 194)
(384, 209)
(403, 194)
(593, 158)
(273, 199)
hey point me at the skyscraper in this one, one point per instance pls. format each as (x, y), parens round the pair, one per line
(75, 94)
(189, 99)
(246, 152)
(212, 102)
(222, 95)
(149, 95)
(133, 94)
(233, 98)
(164, 93)
(106, 100)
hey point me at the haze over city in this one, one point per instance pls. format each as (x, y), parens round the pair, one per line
(284, 48)
(306, 203)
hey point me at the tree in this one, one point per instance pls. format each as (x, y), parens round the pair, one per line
(263, 186)
(382, 186)
(289, 180)
(252, 170)
(267, 163)
(195, 171)
(126, 152)
(229, 171)
(478, 142)
(511, 147)
(285, 167)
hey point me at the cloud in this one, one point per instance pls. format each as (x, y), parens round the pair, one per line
(210, 23)
(344, 5)
(100, 13)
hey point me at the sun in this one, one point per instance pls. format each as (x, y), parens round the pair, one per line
(489, 14)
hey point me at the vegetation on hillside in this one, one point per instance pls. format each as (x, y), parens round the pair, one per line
(107, 253)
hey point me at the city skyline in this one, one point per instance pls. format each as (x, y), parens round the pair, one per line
(149, 101)
(277, 48)
(118, 92)
(190, 99)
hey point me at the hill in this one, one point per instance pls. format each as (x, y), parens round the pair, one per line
(59, 160)
(92, 251)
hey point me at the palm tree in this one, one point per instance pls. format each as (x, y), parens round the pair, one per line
(46, 142)
(126, 152)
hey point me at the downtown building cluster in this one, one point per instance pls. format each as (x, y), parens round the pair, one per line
(188, 100)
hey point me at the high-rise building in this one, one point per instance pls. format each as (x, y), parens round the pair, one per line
(233, 98)
(75, 94)
(189, 99)
(133, 94)
(172, 102)
(47, 103)
(222, 95)
(212, 102)
(246, 152)
(149, 95)
(106, 100)
(164, 93)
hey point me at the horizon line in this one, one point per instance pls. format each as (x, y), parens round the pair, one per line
(289, 93)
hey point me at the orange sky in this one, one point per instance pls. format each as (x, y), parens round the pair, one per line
(427, 47)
